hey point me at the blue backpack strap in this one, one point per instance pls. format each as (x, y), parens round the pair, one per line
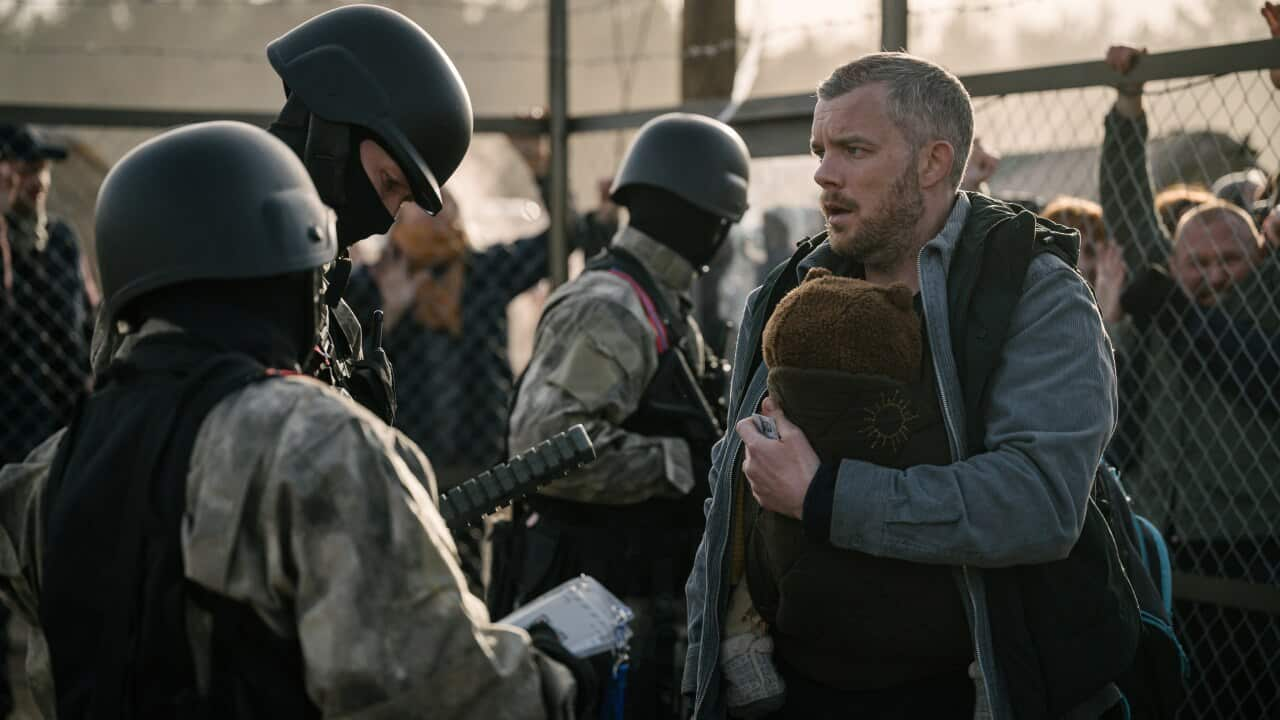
(1163, 568)
(1157, 680)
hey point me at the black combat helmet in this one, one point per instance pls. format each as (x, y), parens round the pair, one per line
(374, 68)
(218, 200)
(701, 160)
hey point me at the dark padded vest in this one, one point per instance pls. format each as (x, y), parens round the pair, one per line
(657, 415)
(641, 550)
(845, 619)
(115, 599)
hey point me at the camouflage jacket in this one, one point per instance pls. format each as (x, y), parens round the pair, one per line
(594, 355)
(305, 506)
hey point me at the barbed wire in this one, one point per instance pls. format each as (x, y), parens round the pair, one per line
(210, 54)
(702, 50)
(462, 5)
(983, 103)
(626, 74)
(976, 8)
(1187, 85)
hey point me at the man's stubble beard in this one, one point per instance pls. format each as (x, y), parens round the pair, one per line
(883, 239)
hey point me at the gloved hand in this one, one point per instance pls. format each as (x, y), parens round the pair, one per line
(373, 384)
(548, 643)
(1154, 295)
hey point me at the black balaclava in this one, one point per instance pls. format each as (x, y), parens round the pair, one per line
(360, 211)
(273, 319)
(691, 231)
(363, 213)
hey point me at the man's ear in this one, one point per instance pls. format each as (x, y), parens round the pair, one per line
(817, 273)
(935, 160)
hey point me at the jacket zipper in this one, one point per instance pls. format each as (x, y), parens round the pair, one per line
(955, 446)
(713, 601)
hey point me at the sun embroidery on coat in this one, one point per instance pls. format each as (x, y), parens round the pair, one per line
(885, 424)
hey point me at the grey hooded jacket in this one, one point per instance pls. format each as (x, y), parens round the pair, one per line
(1051, 413)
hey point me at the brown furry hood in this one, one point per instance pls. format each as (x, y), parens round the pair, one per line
(837, 323)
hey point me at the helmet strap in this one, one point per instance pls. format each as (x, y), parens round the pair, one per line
(327, 152)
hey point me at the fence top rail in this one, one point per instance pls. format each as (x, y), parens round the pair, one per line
(126, 117)
(1214, 60)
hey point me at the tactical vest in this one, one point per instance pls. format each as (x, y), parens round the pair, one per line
(115, 604)
(672, 406)
(641, 550)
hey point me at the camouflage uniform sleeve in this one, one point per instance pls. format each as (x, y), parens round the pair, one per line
(340, 545)
(22, 493)
(593, 357)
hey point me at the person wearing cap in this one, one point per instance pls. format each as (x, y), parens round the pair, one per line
(6, 282)
(381, 119)
(43, 304)
(219, 535)
(605, 354)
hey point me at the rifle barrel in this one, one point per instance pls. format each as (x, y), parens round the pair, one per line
(549, 460)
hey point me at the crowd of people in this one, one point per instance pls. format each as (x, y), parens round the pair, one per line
(219, 475)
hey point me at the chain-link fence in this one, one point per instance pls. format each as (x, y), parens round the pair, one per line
(458, 338)
(45, 305)
(1197, 347)
(1197, 338)
(461, 295)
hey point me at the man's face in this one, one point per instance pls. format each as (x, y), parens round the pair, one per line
(429, 240)
(1091, 250)
(385, 175)
(33, 178)
(1209, 257)
(871, 194)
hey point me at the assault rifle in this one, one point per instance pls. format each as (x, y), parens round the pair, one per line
(696, 405)
(551, 459)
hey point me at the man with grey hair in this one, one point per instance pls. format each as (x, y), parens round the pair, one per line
(1207, 414)
(947, 627)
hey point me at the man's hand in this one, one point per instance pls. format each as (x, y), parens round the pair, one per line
(1109, 284)
(6, 261)
(1154, 295)
(544, 640)
(1122, 59)
(396, 283)
(8, 185)
(1271, 229)
(1272, 14)
(606, 210)
(778, 471)
(982, 165)
(535, 150)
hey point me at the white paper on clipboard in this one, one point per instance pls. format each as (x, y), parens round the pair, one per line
(588, 619)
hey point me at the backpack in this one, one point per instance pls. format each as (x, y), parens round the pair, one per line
(1154, 683)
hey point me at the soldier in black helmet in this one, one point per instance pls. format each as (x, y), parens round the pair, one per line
(381, 119)
(617, 350)
(218, 535)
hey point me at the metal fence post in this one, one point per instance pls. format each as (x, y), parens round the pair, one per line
(558, 90)
(893, 25)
